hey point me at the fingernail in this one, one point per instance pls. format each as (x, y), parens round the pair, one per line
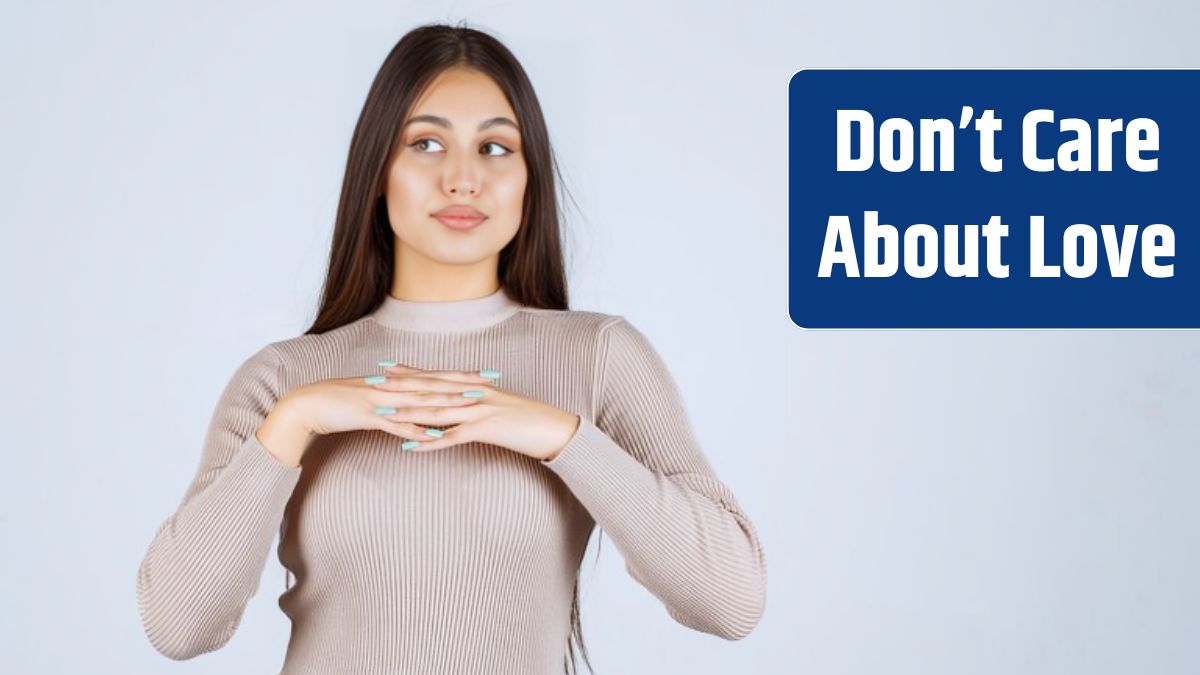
(473, 393)
(436, 433)
(388, 363)
(375, 379)
(409, 445)
(490, 373)
(385, 410)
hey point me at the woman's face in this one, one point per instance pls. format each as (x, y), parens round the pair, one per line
(459, 147)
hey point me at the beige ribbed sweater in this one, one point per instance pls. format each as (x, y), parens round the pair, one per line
(460, 560)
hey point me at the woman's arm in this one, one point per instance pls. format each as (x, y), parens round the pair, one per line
(644, 479)
(206, 561)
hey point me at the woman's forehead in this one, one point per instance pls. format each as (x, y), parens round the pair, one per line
(463, 96)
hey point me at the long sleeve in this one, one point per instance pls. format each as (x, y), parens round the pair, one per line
(640, 473)
(206, 561)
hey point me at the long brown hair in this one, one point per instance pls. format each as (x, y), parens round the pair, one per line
(361, 256)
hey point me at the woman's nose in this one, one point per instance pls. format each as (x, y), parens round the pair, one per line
(462, 176)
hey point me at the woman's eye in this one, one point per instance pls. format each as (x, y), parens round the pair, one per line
(417, 143)
(497, 145)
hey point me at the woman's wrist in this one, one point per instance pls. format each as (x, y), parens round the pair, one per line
(572, 422)
(284, 435)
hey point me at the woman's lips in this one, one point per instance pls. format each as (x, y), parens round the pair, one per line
(460, 222)
(460, 216)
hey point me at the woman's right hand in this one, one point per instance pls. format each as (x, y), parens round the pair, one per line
(348, 404)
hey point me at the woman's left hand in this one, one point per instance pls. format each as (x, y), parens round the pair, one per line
(500, 417)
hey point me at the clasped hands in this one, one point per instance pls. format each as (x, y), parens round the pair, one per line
(413, 399)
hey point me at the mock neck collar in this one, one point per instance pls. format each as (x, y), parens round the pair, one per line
(445, 315)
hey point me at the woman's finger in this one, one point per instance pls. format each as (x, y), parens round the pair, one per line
(423, 399)
(480, 376)
(405, 430)
(438, 417)
(422, 383)
(452, 436)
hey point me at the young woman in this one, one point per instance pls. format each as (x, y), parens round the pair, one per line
(437, 448)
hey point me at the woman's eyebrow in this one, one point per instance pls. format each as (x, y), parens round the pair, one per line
(445, 123)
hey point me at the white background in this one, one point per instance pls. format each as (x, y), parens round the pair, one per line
(931, 502)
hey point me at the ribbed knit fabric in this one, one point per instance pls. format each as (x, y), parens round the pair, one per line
(459, 560)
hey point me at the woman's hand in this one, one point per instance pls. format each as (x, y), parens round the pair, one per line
(497, 416)
(353, 403)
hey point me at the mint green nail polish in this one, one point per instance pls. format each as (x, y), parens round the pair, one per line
(490, 373)
(436, 433)
(385, 410)
(388, 363)
(473, 393)
(375, 379)
(409, 445)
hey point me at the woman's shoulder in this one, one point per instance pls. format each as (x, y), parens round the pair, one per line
(347, 332)
(585, 321)
(306, 347)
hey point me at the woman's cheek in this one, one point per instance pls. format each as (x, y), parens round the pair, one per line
(512, 185)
